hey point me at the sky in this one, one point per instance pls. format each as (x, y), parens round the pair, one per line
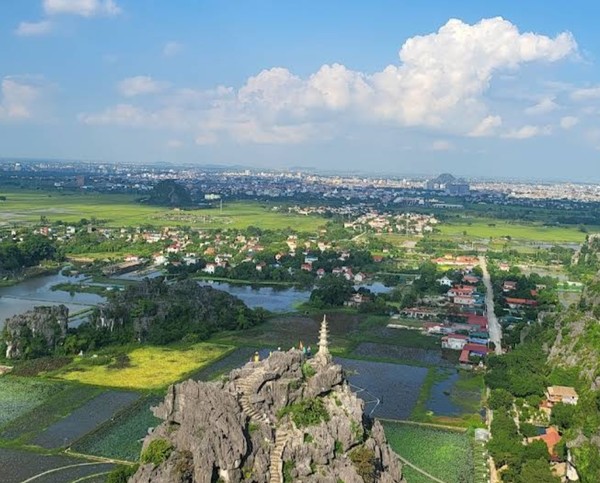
(501, 88)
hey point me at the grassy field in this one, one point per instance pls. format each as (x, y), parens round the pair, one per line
(122, 210)
(144, 368)
(491, 228)
(446, 455)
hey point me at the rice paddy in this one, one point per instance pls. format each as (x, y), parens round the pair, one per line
(144, 367)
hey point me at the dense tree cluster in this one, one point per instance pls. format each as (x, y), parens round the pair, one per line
(30, 252)
(160, 313)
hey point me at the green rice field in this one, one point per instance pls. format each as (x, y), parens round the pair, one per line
(121, 438)
(492, 228)
(19, 396)
(447, 455)
(123, 210)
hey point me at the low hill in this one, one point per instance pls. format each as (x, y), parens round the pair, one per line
(169, 193)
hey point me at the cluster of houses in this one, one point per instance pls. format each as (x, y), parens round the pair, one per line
(405, 223)
(459, 317)
(551, 436)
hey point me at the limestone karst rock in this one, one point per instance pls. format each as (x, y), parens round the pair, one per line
(45, 325)
(286, 418)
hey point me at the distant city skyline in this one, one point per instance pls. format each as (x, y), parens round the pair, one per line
(490, 90)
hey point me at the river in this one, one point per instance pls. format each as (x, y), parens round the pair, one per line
(38, 291)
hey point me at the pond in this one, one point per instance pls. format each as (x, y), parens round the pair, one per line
(440, 401)
(389, 390)
(38, 291)
(273, 298)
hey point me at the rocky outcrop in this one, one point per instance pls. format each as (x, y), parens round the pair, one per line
(285, 418)
(40, 329)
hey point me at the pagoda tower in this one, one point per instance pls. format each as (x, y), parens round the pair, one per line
(323, 355)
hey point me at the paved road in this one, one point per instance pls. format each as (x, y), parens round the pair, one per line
(494, 327)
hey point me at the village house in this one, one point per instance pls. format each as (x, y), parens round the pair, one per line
(472, 350)
(210, 268)
(509, 286)
(357, 300)
(517, 303)
(360, 277)
(551, 438)
(445, 281)
(561, 394)
(471, 279)
(454, 341)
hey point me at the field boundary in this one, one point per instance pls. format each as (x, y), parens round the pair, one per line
(456, 429)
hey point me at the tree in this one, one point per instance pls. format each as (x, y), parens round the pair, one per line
(500, 399)
(562, 415)
(538, 471)
(536, 450)
(331, 291)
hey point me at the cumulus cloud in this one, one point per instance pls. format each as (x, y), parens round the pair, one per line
(33, 29)
(487, 127)
(567, 122)
(439, 83)
(586, 94)
(172, 48)
(140, 85)
(544, 106)
(83, 8)
(528, 131)
(17, 100)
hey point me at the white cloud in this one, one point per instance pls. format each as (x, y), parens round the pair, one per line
(439, 83)
(567, 122)
(120, 115)
(442, 145)
(33, 29)
(586, 94)
(528, 131)
(545, 106)
(140, 85)
(487, 127)
(17, 99)
(174, 144)
(83, 8)
(172, 48)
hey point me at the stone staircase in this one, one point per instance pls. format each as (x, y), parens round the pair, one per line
(247, 387)
(276, 466)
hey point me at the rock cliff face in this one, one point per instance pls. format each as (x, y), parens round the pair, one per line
(282, 419)
(42, 326)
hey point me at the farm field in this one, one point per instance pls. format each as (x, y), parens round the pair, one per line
(19, 396)
(123, 210)
(493, 228)
(447, 455)
(121, 437)
(85, 419)
(142, 368)
(25, 465)
(54, 408)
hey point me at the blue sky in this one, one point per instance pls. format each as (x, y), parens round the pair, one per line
(494, 88)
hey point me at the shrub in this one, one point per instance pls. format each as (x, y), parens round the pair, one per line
(308, 371)
(157, 452)
(364, 462)
(309, 412)
(121, 474)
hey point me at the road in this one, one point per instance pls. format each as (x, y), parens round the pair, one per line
(494, 327)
